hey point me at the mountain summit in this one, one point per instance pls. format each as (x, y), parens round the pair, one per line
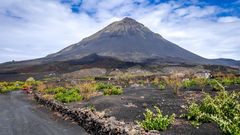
(127, 40)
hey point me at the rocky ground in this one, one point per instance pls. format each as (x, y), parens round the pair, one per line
(130, 106)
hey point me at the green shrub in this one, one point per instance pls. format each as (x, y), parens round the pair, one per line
(70, 95)
(103, 86)
(237, 80)
(55, 90)
(11, 86)
(175, 83)
(227, 81)
(113, 91)
(162, 86)
(109, 89)
(201, 82)
(3, 90)
(223, 109)
(216, 85)
(142, 82)
(156, 121)
(189, 83)
(159, 84)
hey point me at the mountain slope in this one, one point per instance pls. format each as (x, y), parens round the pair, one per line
(127, 40)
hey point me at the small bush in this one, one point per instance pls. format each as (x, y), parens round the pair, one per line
(71, 95)
(11, 86)
(223, 109)
(156, 81)
(87, 89)
(48, 96)
(237, 81)
(159, 84)
(189, 83)
(55, 90)
(103, 86)
(175, 83)
(162, 86)
(230, 81)
(109, 89)
(201, 82)
(156, 121)
(113, 91)
(216, 85)
(227, 81)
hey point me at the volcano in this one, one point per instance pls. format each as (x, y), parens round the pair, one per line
(127, 40)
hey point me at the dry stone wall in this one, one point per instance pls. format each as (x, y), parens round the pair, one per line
(92, 121)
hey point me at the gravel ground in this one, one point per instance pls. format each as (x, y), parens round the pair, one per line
(130, 106)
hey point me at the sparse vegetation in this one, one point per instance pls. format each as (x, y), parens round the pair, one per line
(162, 86)
(18, 85)
(175, 83)
(87, 89)
(216, 85)
(78, 92)
(156, 121)
(223, 109)
(69, 95)
(11, 86)
(103, 86)
(201, 82)
(55, 90)
(65, 95)
(113, 91)
(91, 107)
(229, 81)
(109, 89)
(237, 80)
(188, 83)
(159, 83)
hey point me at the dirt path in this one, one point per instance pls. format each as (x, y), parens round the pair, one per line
(20, 116)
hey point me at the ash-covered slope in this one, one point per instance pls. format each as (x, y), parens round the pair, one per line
(127, 40)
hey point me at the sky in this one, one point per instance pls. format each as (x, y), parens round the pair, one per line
(35, 28)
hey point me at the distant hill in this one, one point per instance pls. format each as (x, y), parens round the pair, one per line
(228, 62)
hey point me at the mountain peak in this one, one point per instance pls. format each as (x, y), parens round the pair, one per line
(128, 20)
(126, 23)
(125, 27)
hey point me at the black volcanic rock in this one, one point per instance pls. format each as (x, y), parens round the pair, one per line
(127, 40)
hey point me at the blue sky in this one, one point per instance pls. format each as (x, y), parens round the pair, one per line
(35, 28)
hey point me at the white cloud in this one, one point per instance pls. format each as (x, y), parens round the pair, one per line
(229, 19)
(35, 28)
